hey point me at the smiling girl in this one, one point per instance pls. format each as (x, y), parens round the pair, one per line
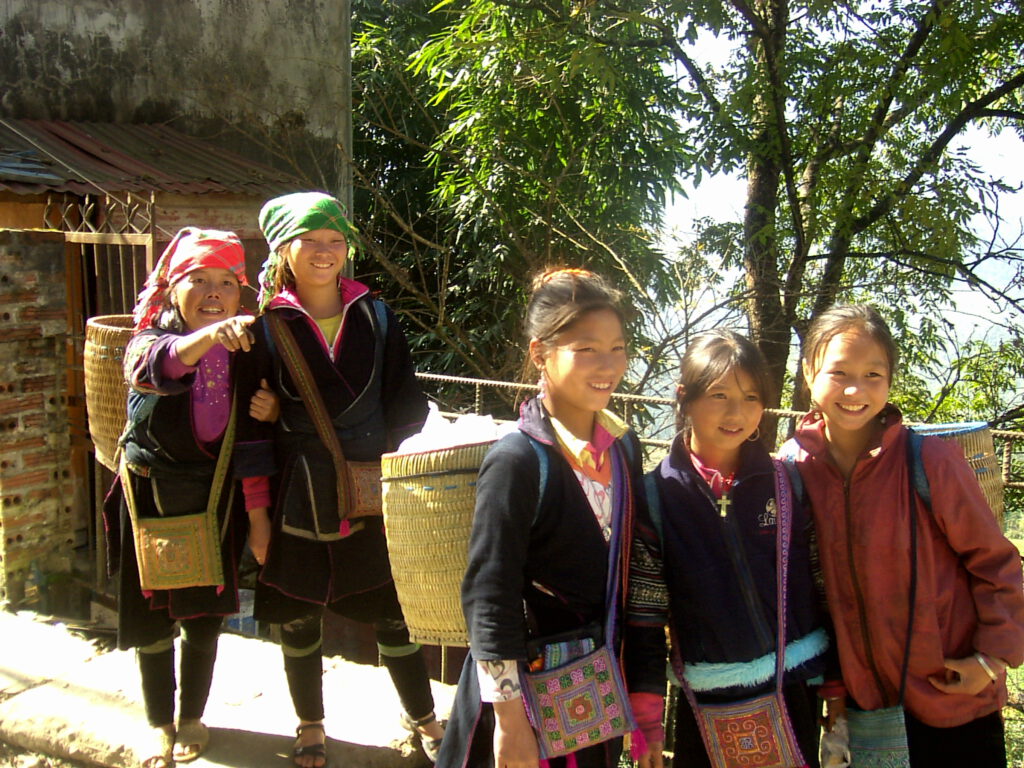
(968, 615)
(716, 550)
(348, 391)
(194, 387)
(543, 545)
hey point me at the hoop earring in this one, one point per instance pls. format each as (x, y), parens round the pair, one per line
(755, 436)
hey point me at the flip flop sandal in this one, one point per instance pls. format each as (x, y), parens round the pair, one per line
(159, 748)
(191, 741)
(316, 751)
(430, 747)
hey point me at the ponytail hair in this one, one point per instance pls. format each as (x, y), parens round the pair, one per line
(561, 296)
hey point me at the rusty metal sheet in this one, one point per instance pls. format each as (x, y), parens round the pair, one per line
(87, 158)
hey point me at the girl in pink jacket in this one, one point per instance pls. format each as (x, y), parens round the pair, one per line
(968, 612)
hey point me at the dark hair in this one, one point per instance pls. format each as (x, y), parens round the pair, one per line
(708, 358)
(845, 317)
(283, 277)
(562, 296)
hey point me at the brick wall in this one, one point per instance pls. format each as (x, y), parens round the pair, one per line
(35, 475)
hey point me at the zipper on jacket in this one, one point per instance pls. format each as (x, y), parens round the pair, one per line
(736, 553)
(861, 608)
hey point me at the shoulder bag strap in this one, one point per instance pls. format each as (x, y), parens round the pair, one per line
(298, 368)
(618, 551)
(783, 531)
(542, 466)
(220, 472)
(916, 467)
(783, 537)
(913, 466)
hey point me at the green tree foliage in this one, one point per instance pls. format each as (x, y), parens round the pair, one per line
(489, 145)
(557, 129)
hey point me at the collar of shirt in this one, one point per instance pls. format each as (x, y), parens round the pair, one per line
(718, 483)
(607, 429)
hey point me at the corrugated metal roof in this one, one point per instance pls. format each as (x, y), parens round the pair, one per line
(47, 155)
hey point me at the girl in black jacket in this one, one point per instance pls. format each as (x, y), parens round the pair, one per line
(541, 539)
(715, 549)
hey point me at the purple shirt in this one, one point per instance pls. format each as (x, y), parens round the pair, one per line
(211, 390)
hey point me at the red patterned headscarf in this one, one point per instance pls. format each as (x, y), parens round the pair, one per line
(191, 249)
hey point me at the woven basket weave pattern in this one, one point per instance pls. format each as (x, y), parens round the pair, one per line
(428, 511)
(976, 441)
(106, 394)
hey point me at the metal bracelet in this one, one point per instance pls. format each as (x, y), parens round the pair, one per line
(985, 665)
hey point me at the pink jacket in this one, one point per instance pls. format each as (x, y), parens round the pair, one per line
(969, 591)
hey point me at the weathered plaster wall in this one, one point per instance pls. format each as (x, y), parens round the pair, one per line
(272, 69)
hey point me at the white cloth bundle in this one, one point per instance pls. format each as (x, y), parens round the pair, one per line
(469, 428)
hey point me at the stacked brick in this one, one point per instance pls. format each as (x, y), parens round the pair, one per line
(36, 492)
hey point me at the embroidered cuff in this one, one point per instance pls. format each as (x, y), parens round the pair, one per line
(649, 711)
(832, 689)
(257, 492)
(499, 680)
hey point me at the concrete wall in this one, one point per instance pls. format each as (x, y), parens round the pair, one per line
(275, 70)
(36, 486)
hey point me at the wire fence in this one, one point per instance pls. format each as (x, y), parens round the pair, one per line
(1007, 443)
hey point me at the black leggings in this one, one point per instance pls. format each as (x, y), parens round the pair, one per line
(301, 643)
(978, 744)
(156, 665)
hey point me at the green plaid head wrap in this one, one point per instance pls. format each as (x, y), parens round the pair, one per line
(285, 218)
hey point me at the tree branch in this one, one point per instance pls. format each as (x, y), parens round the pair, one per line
(971, 111)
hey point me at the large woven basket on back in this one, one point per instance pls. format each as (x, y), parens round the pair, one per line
(976, 440)
(428, 512)
(106, 394)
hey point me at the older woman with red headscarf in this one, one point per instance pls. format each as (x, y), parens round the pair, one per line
(194, 461)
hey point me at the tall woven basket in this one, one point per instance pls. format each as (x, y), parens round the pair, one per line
(106, 394)
(975, 438)
(428, 512)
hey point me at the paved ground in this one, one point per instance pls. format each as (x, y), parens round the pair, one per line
(63, 695)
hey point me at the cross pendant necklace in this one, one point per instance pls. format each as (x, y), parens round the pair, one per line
(724, 502)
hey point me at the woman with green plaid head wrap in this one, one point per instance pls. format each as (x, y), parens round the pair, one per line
(285, 220)
(341, 364)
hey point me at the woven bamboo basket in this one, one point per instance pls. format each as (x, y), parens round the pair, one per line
(428, 512)
(106, 394)
(975, 439)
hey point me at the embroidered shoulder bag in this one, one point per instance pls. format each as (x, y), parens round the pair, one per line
(756, 732)
(580, 701)
(181, 550)
(358, 482)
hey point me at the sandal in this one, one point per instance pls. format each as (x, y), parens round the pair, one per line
(316, 751)
(158, 746)
(191, 741)
(431, 747)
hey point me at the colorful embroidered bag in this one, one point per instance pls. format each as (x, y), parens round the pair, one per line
(584, 701)
(756, 732)
(181, 550)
